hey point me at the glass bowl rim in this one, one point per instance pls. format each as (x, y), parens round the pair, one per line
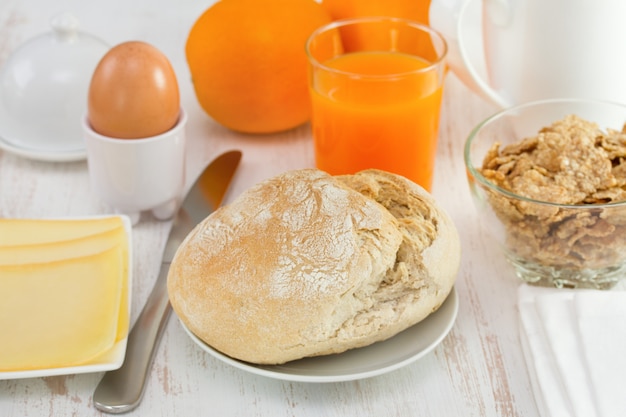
(473, 171)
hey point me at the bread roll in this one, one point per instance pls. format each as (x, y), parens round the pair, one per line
(306, 264)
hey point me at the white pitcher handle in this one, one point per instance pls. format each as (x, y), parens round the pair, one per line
(479, 84)
(454, 19)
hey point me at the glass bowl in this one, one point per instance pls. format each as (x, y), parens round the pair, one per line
(558, 213)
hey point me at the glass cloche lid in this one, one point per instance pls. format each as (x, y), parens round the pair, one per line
(43, 92)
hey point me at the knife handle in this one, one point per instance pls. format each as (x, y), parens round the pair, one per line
(121, 390)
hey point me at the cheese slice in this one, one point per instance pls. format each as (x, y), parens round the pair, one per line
(123, 322)
(77, 247)
(61, 313)
(63, 249)
(15, 232)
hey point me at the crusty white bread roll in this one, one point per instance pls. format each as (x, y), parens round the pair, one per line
(306, 264)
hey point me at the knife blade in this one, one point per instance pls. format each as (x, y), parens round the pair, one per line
(121, 390)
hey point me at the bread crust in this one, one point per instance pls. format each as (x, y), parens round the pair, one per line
(306, 264)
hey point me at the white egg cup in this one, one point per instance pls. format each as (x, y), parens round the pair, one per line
(136, 175)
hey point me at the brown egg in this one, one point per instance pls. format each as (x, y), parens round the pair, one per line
(133, 93)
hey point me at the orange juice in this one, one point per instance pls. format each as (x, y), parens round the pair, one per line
(377, 109)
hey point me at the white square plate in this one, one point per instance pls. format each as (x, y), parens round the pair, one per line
(113, 358)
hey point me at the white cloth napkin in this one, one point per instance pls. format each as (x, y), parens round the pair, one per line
(574, 343)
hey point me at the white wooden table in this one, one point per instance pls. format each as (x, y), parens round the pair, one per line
(479, 368)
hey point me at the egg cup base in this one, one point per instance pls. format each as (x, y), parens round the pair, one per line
(166, 210)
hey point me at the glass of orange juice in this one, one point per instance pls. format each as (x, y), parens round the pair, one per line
(376, 86)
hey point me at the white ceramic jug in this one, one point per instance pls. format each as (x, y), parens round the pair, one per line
(515, 51)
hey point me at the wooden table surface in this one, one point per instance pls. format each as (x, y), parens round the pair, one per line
(478, 370)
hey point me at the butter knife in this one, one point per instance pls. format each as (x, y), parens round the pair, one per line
(121, 390)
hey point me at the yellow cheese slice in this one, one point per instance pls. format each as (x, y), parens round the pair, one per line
(14, 232)
(61, 313)
(78, 247)
(62, 249)
(123, 322)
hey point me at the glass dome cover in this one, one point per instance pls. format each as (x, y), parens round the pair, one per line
(43, 92)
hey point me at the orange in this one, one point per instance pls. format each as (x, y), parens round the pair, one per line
(248, 62)
(407, 9)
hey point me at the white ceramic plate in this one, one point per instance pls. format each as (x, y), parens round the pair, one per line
(41, 142)
(44, 154)
(379, 358)
(109, 360)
